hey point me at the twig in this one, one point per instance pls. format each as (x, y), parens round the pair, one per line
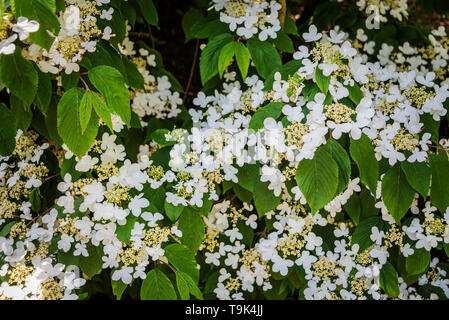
(192, 70)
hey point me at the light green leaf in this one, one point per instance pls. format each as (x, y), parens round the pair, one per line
(242, 57)
(225, 57)
(362, 151)
(93, 100)
(157, 286)
(109, 81)
(182, 259)
(210, 55)
(396, 192)
(317, 179)
(322, 81)
(264, 55)
(69, 126)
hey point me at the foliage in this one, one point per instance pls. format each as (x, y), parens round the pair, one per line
(312, 163)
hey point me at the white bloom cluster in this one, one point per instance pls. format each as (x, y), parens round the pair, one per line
(158, 99)
(10, 32)
(250, 17)
(78, 34)
(377, 11)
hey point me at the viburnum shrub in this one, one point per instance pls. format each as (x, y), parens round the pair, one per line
(311, 163)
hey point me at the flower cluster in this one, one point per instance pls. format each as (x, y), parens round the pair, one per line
(79, 33)
(250, 17)
(9, 32)
(377, 11)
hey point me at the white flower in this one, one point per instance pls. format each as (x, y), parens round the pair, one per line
(24, 27)
(86, 163)
(123, 274)
(137, 204)
(376, 235)
(312, 35)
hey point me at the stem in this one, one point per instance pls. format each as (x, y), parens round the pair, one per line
(195, 57)
(85, 84)
(283, 11)
(170, 266)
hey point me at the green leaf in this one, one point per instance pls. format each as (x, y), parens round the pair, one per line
(182, 259)
(283, 42)
(44, 92)
(159, 136)
(21, 113)
(264, 199)
(248, 175)
(439, 195)
(109, 81)
(210, 55)
(43, 12)
(271, 110)
(134, 77)
(242, 57)
(193, 229)
(418, 176)
(19, 75)
(338, 153)
(418, 262)
(91, 264)
(225, 57)
(192, 16)
(69, 80)
(173, 212)
(186, 285)
(92, 100)
(8, 131)
(118, 287)
(36, 199)
(69, 126)
(124, 232)
(396, 192)
(157, 286)
(148, 11)
(362, 151)
(388, 279)
(264, 55)
(290, 26)
(322, 81)
(243, 194)
(317, 179)
(355, 94)
(352, 208)
(7, 228)
(362, 232)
